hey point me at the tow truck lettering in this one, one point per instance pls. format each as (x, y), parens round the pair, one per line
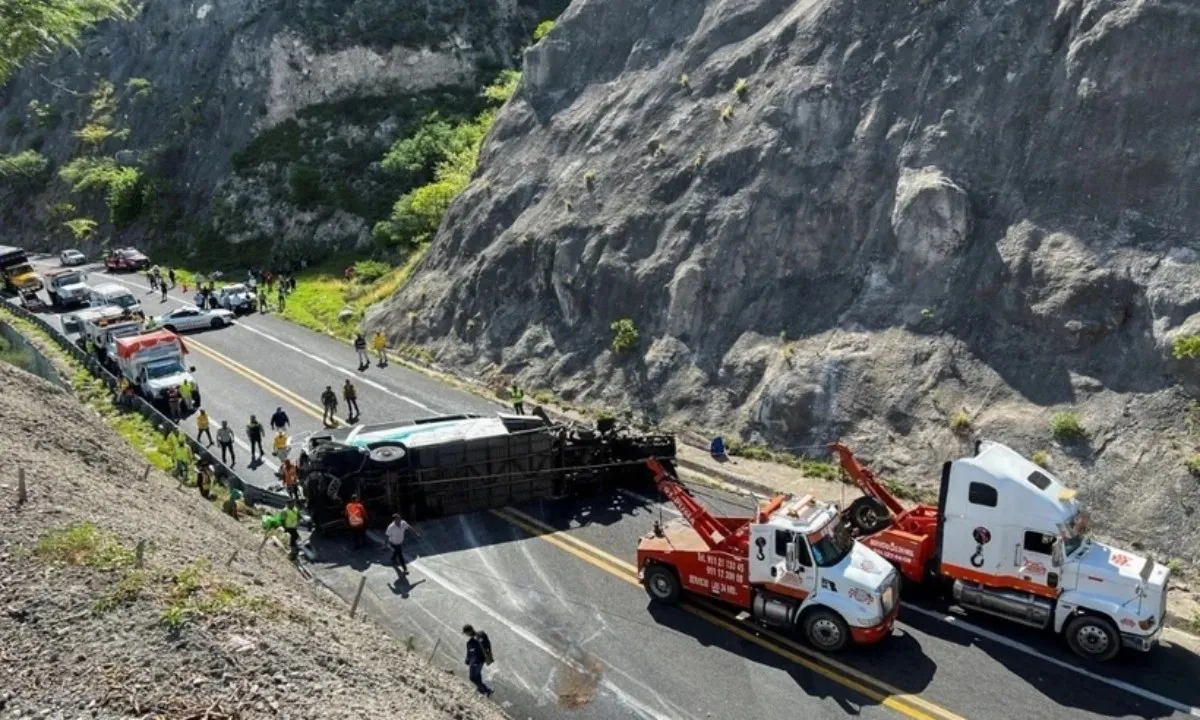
(1127, 622)
(1120, 560)
(861, 596)
(1033, 568)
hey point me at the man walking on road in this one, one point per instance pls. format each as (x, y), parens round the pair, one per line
(479, 651)
(350, 393)
(187, 391)
(202, 424)
(379, 345)
(395, 537)
(225, 440)
(289, 475)
(360, 346)
(356, 517)
(171, 276)
(329, 402)
(254, 433)
(173, 402)
(279, 421)
(518, 399)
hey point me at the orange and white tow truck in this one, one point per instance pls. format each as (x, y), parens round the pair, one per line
(794, 565)
(1008, 539)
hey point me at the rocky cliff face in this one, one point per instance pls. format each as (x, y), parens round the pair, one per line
(851, 219)
(259, 123)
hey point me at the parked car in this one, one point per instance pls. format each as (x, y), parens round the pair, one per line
(238, 298)
(70, 258)
(190, 317)
(126, 259)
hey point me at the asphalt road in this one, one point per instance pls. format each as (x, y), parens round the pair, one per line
(552, 585)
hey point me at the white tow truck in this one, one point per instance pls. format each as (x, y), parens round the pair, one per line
(67, 288)
(153, 362)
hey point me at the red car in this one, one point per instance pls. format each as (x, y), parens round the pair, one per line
(129, 259)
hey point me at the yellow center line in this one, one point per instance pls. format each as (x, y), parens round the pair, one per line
(908, 704)
(270, 386)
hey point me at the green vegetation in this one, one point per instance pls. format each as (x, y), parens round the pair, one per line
(39, 27)
(960, 422)
(83, 544)
(47, 116)
(543, 27)
(305, 184)
(127, 590)
(139, 87)
(127, 191)
(452, 151)
(1041, 457)
(81, 228)
(94, 134)
(25, 170)
(368, 271)
(698, 161)
(685, 81)
(1186, 347)
(1065, 426)
(1175, 566)
(15, 356)
(726, 113)
(810, 467)
(194, 592)
(14, 125)
(739, 88)
(625, 334)
(1192, 463)
(589, 179)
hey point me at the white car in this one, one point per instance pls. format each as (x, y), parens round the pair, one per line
(190, 317)
(238, 298)
(70, 258)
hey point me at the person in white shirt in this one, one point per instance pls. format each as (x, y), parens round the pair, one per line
(395, 537)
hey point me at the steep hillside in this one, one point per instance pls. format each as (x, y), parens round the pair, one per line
(904, 224)
(86, 633)
(242, 129)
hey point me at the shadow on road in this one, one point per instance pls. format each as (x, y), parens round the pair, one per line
(1170, 671)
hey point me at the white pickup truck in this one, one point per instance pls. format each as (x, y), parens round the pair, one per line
(154, 363)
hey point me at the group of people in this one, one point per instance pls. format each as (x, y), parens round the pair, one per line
(378, 344)
(329, 402)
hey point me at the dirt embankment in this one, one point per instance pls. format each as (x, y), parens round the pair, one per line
(85, 631)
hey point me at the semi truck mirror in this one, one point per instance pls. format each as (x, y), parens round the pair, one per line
(1056, 557)
(192, 369)
(793, 563)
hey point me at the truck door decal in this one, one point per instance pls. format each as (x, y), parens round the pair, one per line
(982, 537)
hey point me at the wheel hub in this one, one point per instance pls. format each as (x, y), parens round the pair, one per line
(826, 632)
(661, 586)
(1092, 639)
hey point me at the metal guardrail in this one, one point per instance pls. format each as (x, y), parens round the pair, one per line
(252, 494)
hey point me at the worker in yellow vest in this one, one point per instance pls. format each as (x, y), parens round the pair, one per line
(379, 345)
(202, 424)
(517, 395)
(279, 446)
(291, 521)
(183, 457)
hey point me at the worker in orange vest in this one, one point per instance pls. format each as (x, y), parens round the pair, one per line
(288, 473)
(356, 517)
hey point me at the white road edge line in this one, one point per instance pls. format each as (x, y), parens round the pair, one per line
(1022, 647)
(293, 348)
(1006, 642)
(528, 635)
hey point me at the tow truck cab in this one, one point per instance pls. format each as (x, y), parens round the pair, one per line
(1014, 541)
(153, 363)
(67, 288)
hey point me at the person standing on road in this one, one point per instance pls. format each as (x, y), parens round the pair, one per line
(479, 652)
(518, 399)
(379, 345)
(350, 393)
(254, 433)
(282, 297)
(289, 474)
(291, 521)
(329, 402)
(152, 279)
(187, 391)
(279, 446)
(202, 424)
(171, 276)
(225, 440)
(173, 402)
(279, 420)
(163, 287)
(395, 538)
(356, 518)
(360, 346)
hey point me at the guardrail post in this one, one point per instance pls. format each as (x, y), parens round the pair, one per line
(21, 495)
(362, 582)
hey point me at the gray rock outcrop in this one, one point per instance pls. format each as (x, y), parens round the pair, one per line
(848, 219)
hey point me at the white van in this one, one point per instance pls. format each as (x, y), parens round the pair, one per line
(116, 295)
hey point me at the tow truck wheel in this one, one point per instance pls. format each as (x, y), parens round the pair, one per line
(825, 630)
(662, 584)
(868, 515)
(1093, 638)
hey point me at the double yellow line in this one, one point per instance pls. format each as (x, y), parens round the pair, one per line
(907, 704)
(305, 406)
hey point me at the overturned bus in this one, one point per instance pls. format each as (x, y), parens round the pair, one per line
(465, 463)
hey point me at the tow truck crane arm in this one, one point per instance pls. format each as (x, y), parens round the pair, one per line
(865, 479)
(709, 528)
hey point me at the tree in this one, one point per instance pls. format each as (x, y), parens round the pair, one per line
(36, 27)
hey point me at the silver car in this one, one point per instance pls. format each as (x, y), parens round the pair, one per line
(190, 317)
(70, 258)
